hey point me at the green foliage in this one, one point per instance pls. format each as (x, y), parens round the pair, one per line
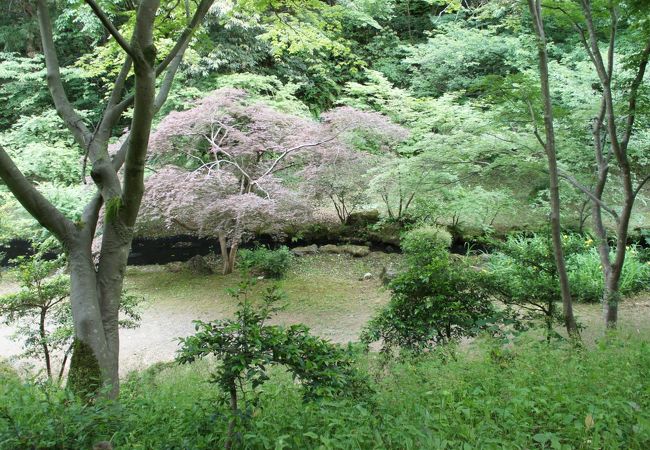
(40, 312)
(425, 241)
(437, 300)
(113, 206)
(524, 396)
(459, 58)
(247, 348)
(586, 273)
(523, 273)
(266, 262)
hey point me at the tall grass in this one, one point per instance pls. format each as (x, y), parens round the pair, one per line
(530, 395)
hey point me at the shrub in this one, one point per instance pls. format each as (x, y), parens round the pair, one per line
(522, 273)
(266, 262)
(425, 240)
(438, 299)
(247, 348)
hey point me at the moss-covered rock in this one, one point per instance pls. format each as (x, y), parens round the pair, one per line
(353, 250)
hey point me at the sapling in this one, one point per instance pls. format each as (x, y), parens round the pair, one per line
(247, 347)
(41, 315)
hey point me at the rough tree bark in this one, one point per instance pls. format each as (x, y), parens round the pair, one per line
(96, 290)
(549, 146)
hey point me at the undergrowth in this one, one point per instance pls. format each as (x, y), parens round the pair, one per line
(527, 395)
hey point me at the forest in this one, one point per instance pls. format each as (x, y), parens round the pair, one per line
(308, 224)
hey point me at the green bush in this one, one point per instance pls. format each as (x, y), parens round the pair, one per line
(266, 262)
(248, 348)
(425, 239)
(523, 271)
(438, 299)
(522, 274)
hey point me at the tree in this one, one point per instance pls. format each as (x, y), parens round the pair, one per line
(554, 184)
(40, 311)
(341, 170)
(96, 290)
(238, 152)
(616, 117)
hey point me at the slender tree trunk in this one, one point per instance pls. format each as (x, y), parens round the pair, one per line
(232, 256)
(549, 146)
(233, 420)
(46, 349)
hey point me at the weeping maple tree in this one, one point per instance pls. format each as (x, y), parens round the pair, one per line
(241, 153)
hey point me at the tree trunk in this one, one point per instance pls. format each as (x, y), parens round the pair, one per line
(233, 419)
(46, 349)
(92, 363)
(549, 146)
(227, 257)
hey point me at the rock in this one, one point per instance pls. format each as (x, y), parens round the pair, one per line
(199, 266)
(103, 445)
(303, 251)
(363, 218)
(174, 267)
(357, 251)
(387, 275)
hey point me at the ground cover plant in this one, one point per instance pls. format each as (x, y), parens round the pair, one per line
(529, 395)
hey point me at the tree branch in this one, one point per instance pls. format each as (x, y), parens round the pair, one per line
(589, 194)
(63, 106)
(185, 36)
(33, 201)
(634, 89)
(103, 18)
(641, 184)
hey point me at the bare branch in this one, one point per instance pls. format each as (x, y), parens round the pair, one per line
(103, 18)
(641, 184)
(533, 121)
(33, 201)
(64, 108)
(589, 194)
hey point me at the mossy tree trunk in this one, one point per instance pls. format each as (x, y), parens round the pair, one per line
(96, 287)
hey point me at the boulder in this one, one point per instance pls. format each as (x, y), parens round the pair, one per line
(303, 251)
(363, 218)
(357, 251)
(199, 266)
